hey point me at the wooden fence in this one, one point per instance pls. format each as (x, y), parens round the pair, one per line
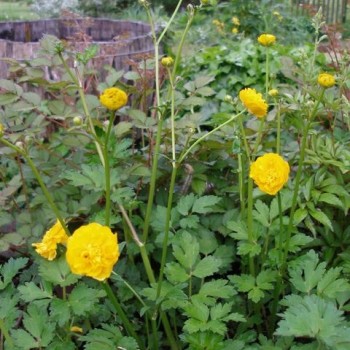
(334, 11)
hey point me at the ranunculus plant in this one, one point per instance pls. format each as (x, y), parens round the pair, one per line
(186, 216)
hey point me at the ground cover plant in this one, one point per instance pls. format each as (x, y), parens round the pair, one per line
(197, 203)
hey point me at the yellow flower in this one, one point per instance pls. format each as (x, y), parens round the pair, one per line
(270, 173)
(76, 329)
(92, 251)
(113, 98)
(254, 102)
(278, 15)
(47, 248)
(326, 80)
(273, 92)
(167, 61)
(234, 30)
(266, 39)
(236, 21)
(1, 130)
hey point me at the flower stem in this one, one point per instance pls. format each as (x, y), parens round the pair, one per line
(184, 155)
(128, 326)
(6, 334)
(40, 181)
(107, 171)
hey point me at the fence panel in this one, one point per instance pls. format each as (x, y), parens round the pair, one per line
(334, 11)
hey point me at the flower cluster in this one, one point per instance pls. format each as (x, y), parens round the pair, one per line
(254, 102)
(220, 26)
(47, 248)
(113, 98)
(266, 39)
(235, 21)
(326, 80)
(92, 251)
(270, 173)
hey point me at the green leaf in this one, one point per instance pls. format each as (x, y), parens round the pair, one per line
(251, 248)
(203, 81)
(206, 267)
(23, 340)
(186, 250)
(315, 318)
(330, 284)
(57, 272)
(331, 199)
(8, 98)
(185, 204)
(243, 283)
(256, 294)
(30, 291)
(191, 221)
(83, 298)
(262, 213)
(203, 205)
(299, 215)
(214, 290)
(10, 269)
(265, 279)
(321, 217)
(198, 311)
(175, 273)
(60, 311)
(305, 273)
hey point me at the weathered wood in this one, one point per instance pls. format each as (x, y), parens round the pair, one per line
(119, 40)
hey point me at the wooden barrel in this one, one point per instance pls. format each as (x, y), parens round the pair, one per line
(119, 41)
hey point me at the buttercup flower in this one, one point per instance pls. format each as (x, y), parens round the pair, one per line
(167, 61)
(266, 39)
(234, 30)
(92, 251)
(326, 80)
(270, 173)
(47, 248)
(278, 15)
(236, 21)
(254, 102)
(113, 98)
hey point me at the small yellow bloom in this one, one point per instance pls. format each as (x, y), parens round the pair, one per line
(2, 129)
(92, 251)
(167, 61)
(47, 248)
(266, 39)
(270, 173)
(273, 92)
(254, 102)
(113, 98)
(278, 15)
(76, 329)
(219, 25)
(236, 21)
(234, 30)
(326, 80)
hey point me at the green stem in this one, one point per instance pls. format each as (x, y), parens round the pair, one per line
(184, 155)
(128, 326)
(166, 229)
(267, 73)
(278, 138)
(297, 182)
(241, 174)
(259, 137)
(280, 242)
(107, 171)
(150, 275)
(40, 181)
(251, 238)
(6, 334)
(172, 118)
(244, 139)
(79, 86)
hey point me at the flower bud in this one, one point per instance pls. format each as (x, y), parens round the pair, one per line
(2, 130)
(77, 120)
(19, 144)
(228, 99)
(167, 61)
(273, 92)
